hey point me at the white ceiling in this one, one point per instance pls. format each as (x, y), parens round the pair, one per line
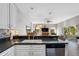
(38, 12)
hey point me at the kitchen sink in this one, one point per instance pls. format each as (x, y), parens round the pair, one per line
(32, 41)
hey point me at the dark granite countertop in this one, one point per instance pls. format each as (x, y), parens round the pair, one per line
(53, 37)
(7, 44)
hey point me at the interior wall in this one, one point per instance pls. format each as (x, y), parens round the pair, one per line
(25, 19)
(60, 28)
(18, 20)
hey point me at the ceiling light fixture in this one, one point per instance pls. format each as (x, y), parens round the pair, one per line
(31, 8)
(50, 13)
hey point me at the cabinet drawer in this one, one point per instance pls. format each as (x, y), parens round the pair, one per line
(22, 46)
(23, 50)
(37, 46)
(22, 53)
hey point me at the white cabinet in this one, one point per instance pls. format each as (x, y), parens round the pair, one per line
(30, 50)
(8, 52)
(4, 15)
(38, 50)
(25, 50)
(13, 15)
(21, 50)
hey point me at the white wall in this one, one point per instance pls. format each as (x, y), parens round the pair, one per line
(18, 20)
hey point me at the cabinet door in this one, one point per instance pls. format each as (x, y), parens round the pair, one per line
(8, 52)
(4, 15)
(22, 50)
(30, 50)
(11, 51)
(38, 50)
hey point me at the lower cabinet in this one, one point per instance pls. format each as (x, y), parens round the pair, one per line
(25, 50)
(8, 52)
(34, 50)
(30, 50)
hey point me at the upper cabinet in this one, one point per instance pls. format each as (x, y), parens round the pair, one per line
(4, 16)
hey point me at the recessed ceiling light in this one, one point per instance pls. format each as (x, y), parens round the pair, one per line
(50, 13)
(31, 8)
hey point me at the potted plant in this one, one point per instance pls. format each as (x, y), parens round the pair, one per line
(70, 32)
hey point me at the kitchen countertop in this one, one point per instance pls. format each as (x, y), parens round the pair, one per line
(7, 44)
(49, 37)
